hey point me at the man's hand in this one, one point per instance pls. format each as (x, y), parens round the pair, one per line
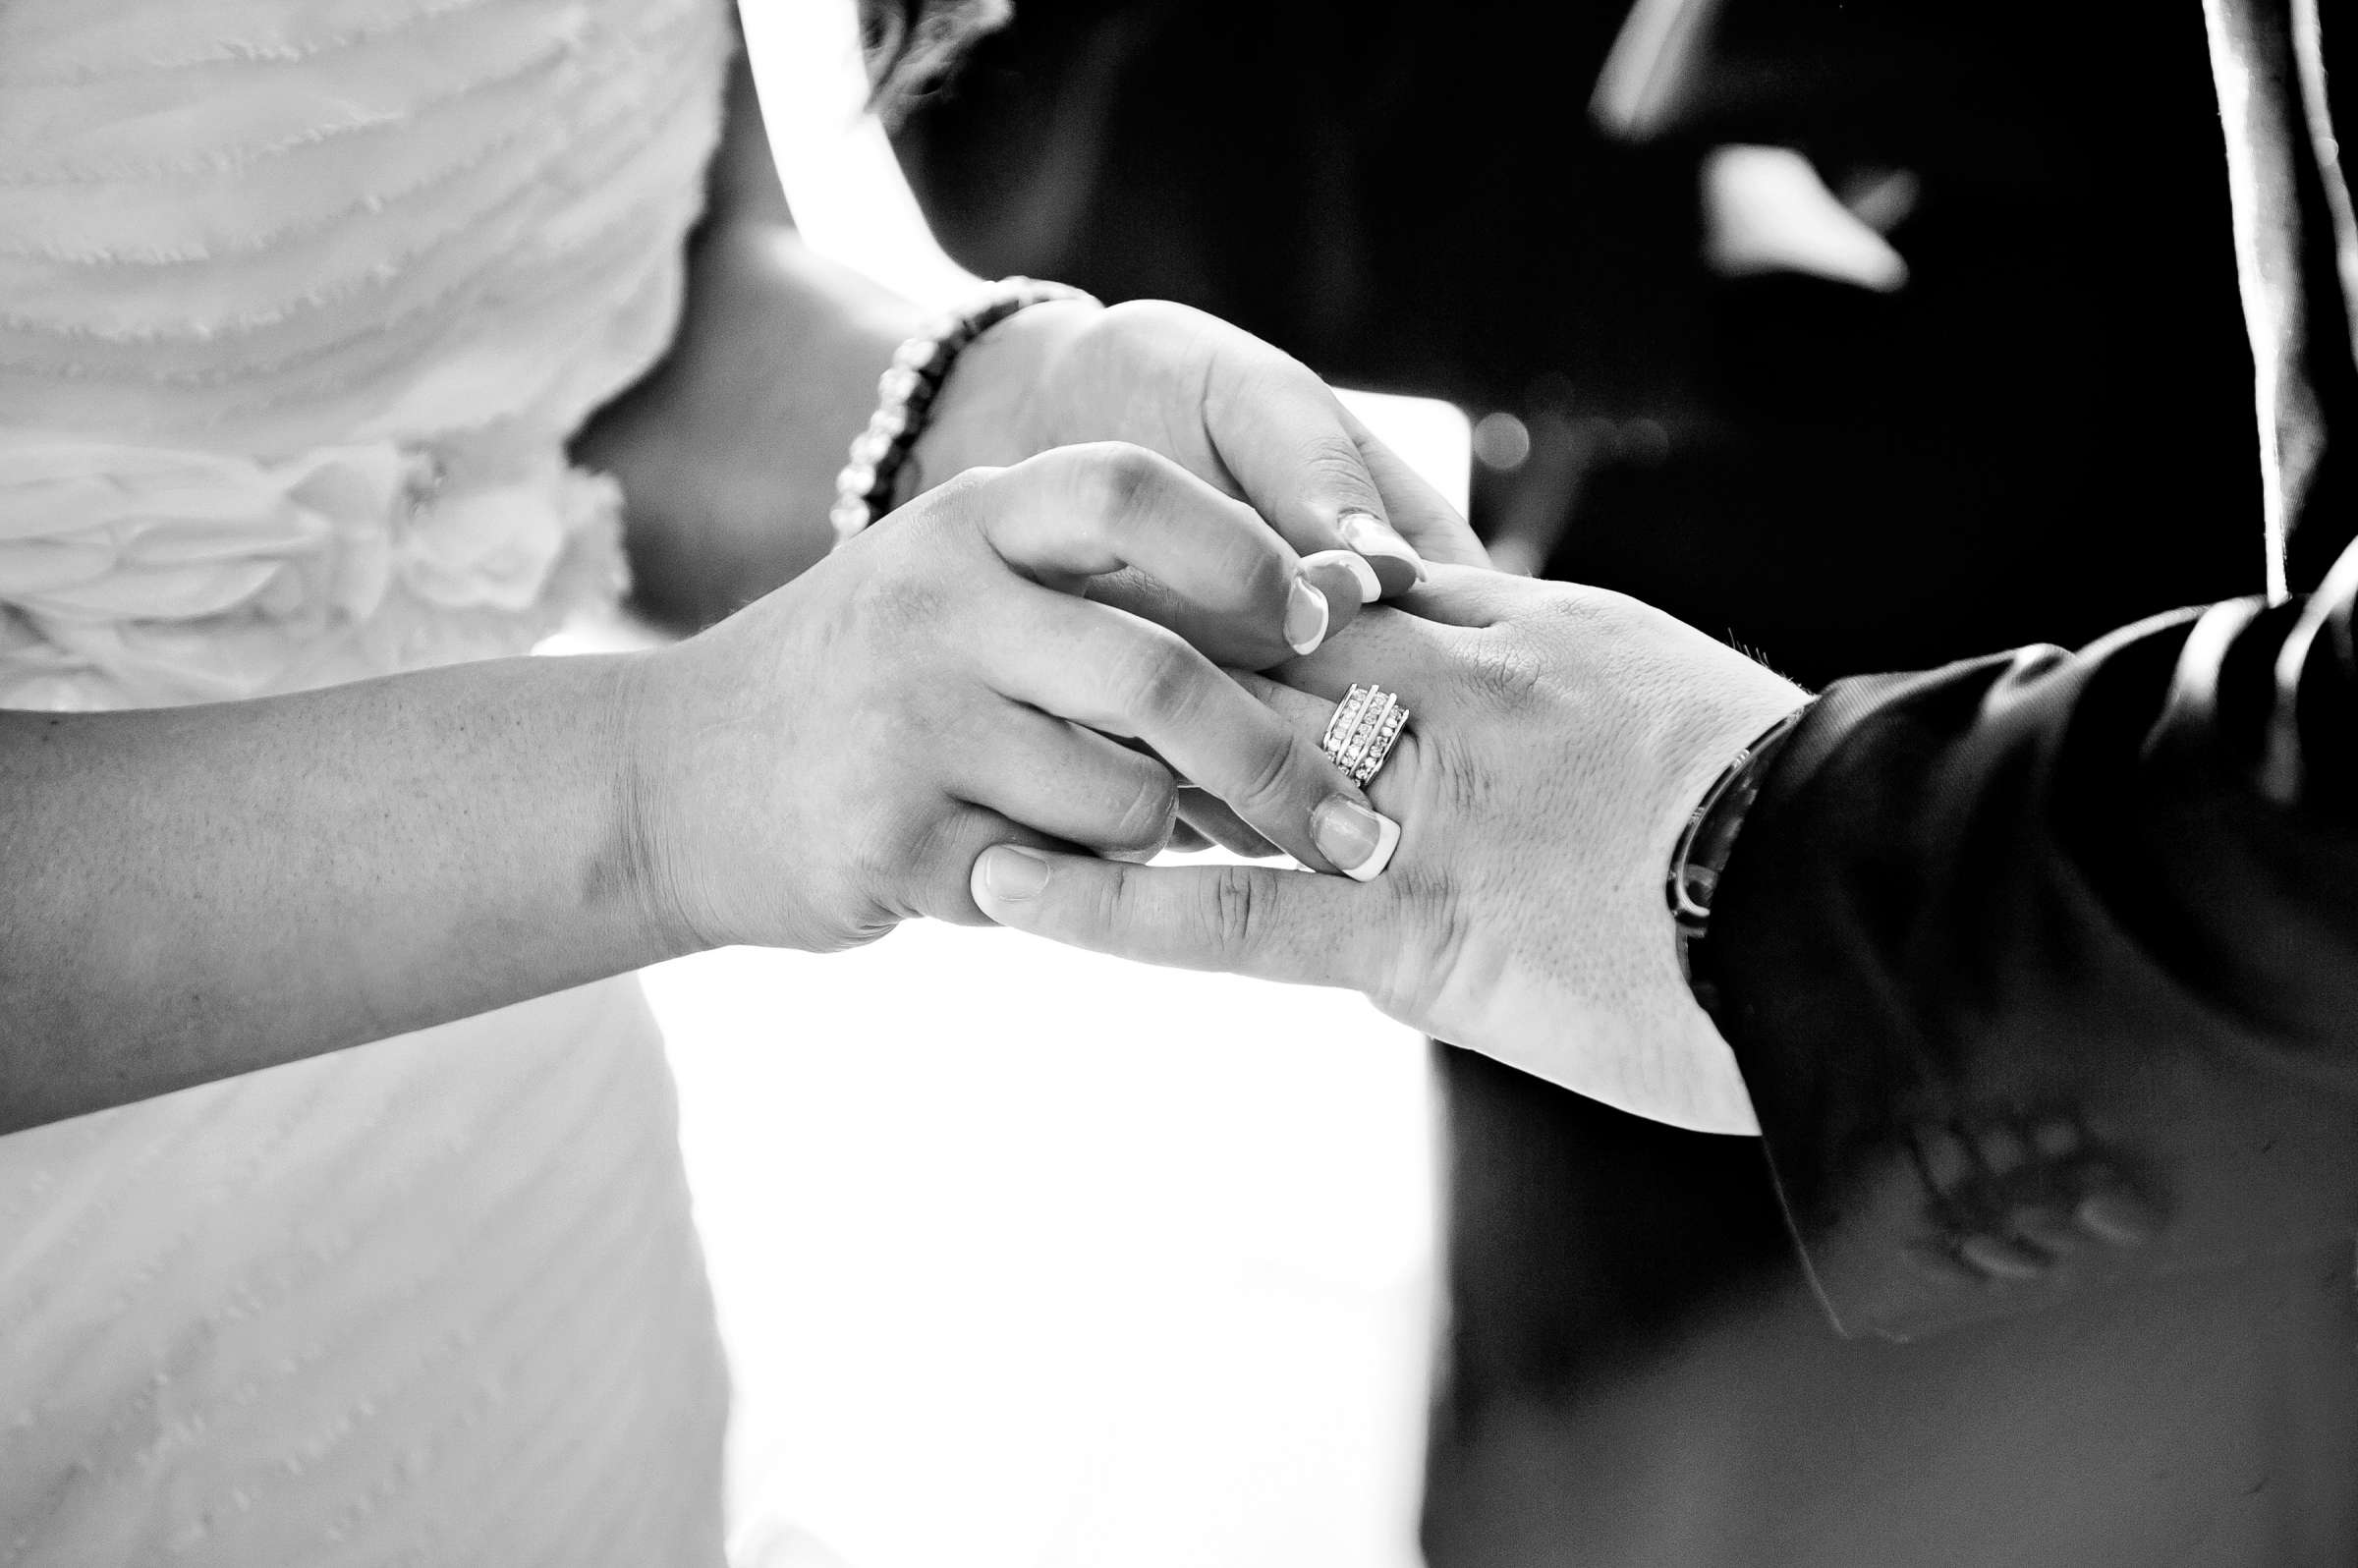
(1558, 738)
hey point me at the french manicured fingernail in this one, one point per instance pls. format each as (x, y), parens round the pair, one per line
(1305, 616)
(1363, 576)
(1398, 565)
(1358, 840)
(1011, 873)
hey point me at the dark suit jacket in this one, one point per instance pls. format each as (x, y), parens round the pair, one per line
(2043, 968)
(2045, 939)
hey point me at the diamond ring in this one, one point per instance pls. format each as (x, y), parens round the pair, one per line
(1360, 734)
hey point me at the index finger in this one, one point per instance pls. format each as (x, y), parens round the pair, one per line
(1438, 531)
(1083, 512)
(1098, 666)
(1309, 462)
(1295, 452)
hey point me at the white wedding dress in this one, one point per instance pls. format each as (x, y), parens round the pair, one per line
(299, 303)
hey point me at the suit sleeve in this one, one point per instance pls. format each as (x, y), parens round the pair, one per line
(2043, 968)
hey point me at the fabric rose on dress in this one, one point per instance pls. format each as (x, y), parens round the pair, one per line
(142, 577)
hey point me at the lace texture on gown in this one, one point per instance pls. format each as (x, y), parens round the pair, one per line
(300, 300)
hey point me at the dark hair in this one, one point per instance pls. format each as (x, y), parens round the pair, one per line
(912, 44)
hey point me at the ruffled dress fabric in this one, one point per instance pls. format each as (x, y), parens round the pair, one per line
(300, 300)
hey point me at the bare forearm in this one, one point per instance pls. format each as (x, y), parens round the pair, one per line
(192, 893)
(728, 451)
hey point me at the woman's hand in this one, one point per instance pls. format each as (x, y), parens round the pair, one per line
(830, 761)
(1558, 738)
(1234, 411)
(1229, 408)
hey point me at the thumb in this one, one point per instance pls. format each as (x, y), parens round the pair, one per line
(1437, 531)
(1303, 461)
(1271, 924)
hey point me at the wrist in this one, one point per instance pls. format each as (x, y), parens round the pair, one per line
(1708, 838)
(1000, 402)
(657, 864)
(1720, 721)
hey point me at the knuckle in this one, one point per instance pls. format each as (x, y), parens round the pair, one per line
(1502, 672)
(1125, 481)
(1134, 590)
(1134, 314)
(1154, 327)
(1232, 910)
(1116, 896)
(1153, 806)
(1158, 683)
(1334, 462)
(1128, 321)
(1272, 770)
(1261, 566)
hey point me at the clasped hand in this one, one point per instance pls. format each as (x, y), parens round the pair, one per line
(830, 762)
(1032, 651)
(984, 708)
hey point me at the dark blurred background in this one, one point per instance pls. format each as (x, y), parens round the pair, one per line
(2046, 432)
(2034, 439)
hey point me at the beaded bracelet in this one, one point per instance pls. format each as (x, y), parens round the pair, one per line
(906, 392)
(1708, 839)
